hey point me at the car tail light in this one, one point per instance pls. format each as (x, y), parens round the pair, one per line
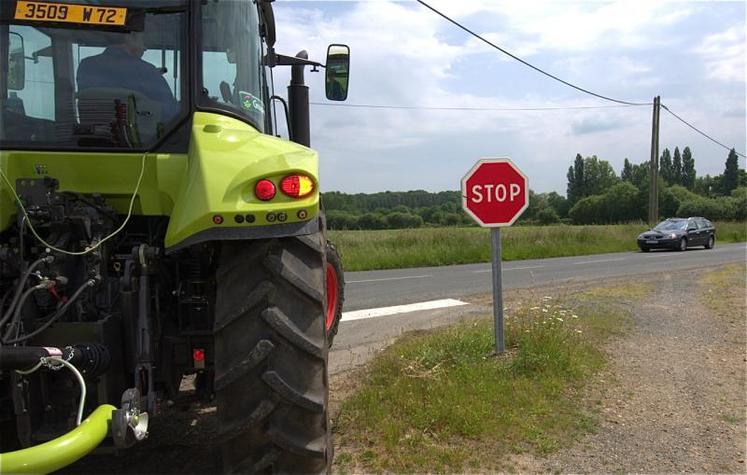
(265, 190)
(297, 186)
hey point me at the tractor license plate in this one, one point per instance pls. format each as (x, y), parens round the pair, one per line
(70, 13)
(650, 242)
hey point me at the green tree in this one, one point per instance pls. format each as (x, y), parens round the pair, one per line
(627, 172)
(372, 221)
(676, 167)
(688, 169)
(399, 220)
(739, 196)
(588, 210)
(547, 216)
(730, 178)
(599, 176)
(576, 180)
(341, 220)
(665, 166)
(707, 185)
(558, 203)
(640, 174)
(620, 204)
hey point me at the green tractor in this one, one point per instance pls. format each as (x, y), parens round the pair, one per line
(159, 243)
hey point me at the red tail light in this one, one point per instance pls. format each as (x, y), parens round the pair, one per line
(265, 190)
(297, 186)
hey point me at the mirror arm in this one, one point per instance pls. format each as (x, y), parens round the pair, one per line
(273, 59)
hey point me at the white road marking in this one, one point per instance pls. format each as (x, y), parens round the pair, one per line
(389, 278)
(597, 261)
(507, 268)
(397, 309)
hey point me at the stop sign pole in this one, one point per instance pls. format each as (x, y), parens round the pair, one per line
(495, 193)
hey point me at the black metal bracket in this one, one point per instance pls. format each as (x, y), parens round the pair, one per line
(273, 59)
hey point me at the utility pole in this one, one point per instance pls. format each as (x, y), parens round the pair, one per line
(653, 196)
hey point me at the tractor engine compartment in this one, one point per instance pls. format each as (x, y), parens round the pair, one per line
(78, 279)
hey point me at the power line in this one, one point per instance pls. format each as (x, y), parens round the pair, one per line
(700, 131)
(528, 64)
(475, 109)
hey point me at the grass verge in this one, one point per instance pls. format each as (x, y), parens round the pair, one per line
(442, 402)
(723, 290)
(394, 249)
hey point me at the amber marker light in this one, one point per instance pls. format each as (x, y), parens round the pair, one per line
(297, 186)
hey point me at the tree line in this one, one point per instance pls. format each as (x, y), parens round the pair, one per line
(595, 194)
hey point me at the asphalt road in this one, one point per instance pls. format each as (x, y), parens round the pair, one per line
(374, 289)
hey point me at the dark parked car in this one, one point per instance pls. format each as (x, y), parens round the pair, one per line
(679, 234)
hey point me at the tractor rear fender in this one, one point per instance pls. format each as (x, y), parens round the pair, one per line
(216, 199)
(207, 192)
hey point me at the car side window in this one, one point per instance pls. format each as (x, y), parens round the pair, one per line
(692, 223)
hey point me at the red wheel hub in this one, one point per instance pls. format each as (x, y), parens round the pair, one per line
(331, 297)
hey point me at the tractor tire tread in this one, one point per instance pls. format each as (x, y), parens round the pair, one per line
(271, 356)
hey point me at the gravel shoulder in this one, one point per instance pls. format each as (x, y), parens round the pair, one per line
(673, 396)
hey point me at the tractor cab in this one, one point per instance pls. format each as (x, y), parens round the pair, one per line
(102, 75)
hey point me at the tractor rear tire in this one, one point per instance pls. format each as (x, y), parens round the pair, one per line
(335, 292)
(271, 351)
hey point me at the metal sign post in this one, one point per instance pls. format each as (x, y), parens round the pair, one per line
(495, 193)
(500, 345)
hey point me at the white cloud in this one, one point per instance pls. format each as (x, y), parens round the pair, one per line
(724, 54)
(573, 26)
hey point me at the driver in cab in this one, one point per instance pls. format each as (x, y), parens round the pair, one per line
(120, 66)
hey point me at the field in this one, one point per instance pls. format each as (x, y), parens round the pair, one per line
(394, 249)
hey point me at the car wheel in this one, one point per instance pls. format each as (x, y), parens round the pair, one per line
(711, 242)
(645, 249)
(683, 245)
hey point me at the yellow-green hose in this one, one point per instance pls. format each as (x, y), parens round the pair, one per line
(62, 451)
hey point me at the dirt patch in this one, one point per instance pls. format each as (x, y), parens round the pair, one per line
(673, 397)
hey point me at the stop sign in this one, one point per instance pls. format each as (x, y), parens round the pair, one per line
(495, 192)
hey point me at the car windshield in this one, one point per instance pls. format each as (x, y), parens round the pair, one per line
(671, 225)
(91, 75)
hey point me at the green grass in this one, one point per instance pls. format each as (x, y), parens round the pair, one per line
(394, 249)
(723, 290)
(442, 402)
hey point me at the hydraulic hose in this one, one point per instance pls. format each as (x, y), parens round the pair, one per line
(21, 283)
(62, 451)
(17, 312)
(55, 316)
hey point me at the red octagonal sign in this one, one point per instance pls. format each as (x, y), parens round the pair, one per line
(495, 192)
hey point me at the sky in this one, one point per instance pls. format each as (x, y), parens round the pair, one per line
(692, 54)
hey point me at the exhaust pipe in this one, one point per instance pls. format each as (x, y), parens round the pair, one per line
(62, 451)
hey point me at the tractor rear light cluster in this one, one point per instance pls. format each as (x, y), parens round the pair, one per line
(293, 186)
(297, 186)
(265, 190)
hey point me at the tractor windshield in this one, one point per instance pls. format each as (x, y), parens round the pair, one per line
(91, 74)
(232, 71)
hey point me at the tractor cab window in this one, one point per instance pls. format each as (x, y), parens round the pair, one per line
(232, 71)
(92, 75)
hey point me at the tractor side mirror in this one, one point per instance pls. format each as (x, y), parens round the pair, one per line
(337, 72)
(16, 63)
